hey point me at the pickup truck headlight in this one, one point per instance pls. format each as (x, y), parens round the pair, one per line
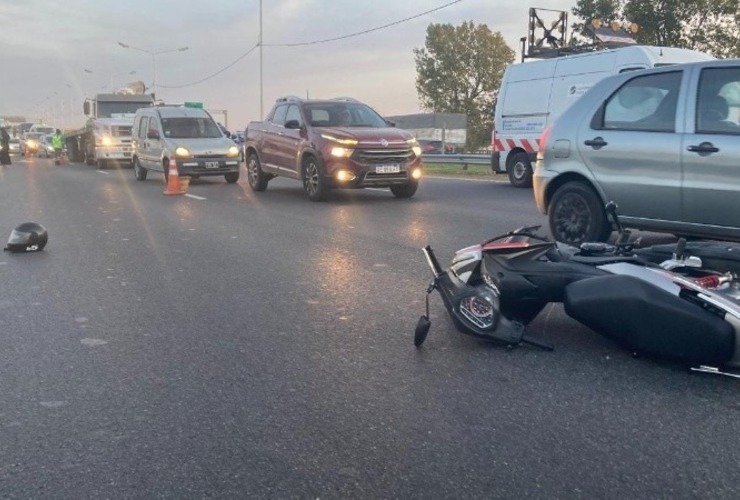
(344, 142)
(342, 152)
(233, 151)
(182, 152)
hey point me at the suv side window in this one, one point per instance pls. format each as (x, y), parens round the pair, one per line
(279, 116)
(645, 103)
(718, 102)
(143, 125)
(152, 125)
(293, 114)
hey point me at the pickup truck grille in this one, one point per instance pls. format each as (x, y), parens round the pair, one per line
(387, 155)
(120, 131)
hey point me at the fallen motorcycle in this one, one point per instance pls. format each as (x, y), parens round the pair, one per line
(676, 310)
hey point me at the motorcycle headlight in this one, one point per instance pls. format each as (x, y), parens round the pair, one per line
(480, 309)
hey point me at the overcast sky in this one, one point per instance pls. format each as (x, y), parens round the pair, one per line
(47, 46)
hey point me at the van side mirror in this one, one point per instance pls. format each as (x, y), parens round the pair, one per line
(152, 134)
(293, 124)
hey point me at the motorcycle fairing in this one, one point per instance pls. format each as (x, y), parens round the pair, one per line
(650, 320)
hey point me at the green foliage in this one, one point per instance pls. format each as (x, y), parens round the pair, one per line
(711, 26)
(459, 70)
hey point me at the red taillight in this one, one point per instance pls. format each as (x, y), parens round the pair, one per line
(542, 141)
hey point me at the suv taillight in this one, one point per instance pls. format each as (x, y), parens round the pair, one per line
(542, 141)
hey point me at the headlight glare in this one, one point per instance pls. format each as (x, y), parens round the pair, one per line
(233, 151)
(182, 152)
(342, 152)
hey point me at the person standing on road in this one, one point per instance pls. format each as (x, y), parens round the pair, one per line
(57, 143)
(5, 150)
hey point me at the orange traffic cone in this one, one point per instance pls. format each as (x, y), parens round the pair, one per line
(173, 180)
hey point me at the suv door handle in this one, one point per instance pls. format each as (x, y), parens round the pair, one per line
(704, 147)
(596, 142)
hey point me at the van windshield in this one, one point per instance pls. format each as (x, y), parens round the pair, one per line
(190, 128)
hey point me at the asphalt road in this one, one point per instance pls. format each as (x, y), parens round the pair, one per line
(242, 345)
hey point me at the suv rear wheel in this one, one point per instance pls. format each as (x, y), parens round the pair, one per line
(520, 170)
(405, 190)
(576, 215)
(314, 183)
(255, 176)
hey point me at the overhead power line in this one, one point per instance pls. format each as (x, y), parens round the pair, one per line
(343, 37)
(313, 42)
(213, 74)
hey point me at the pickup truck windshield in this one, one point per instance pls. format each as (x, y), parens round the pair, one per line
(190, 128)
(343, 114)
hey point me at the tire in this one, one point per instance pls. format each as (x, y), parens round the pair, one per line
(255, 176)
(89, 159)
(519, 169)
(101, 164)
(231, 177)
(405, 190)
(314, 183)
(139, 171)
(576, 215)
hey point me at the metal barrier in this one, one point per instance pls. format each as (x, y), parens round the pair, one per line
(458, 159)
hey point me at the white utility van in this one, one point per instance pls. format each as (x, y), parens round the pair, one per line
(535, 93)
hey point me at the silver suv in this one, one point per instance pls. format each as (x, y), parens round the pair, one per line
(187, 135)
(663, 143)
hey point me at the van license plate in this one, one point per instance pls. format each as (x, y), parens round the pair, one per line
(387, 169)
(211, 164)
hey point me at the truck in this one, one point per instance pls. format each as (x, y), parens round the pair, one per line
(106, 135)
(533, 94)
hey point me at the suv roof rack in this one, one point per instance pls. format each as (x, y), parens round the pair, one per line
(347, 99)
(288, 98)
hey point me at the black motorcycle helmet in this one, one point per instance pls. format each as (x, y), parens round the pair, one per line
(28, 237)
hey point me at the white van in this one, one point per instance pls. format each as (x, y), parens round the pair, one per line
(533, 94)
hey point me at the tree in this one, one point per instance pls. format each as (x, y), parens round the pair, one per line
(459, 70)
(711, 26)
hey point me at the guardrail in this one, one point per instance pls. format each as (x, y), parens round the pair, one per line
(458, 159)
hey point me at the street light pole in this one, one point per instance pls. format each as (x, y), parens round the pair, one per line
(154, 61)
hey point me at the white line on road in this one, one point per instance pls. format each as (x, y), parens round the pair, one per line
(103, 172)
(463, 179)
(195, 197)
(377, 189)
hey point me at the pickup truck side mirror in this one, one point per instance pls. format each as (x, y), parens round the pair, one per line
(293, 124)
(152, 134)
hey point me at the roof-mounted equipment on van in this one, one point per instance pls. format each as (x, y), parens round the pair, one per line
(288, 98)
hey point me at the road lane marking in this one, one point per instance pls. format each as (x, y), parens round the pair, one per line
(103, 172)
(377, 189)
(464, 179)
(195, 197)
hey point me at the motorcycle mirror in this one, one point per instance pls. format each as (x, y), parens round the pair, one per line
(422, 329)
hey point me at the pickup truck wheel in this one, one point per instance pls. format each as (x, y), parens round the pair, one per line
(89, 159)
(576, 215)
(405, 190)
(314, 183)
(139, 171)
(520, 170)
(255, 176)
(231, 177)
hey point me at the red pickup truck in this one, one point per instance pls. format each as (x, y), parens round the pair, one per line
(335, 143)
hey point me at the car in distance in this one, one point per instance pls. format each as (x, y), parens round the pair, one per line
(663, 143)
(188, 135)
(326, 144)
(433, 147)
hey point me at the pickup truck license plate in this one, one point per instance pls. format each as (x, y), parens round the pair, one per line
(387, 169)
(211, 164)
